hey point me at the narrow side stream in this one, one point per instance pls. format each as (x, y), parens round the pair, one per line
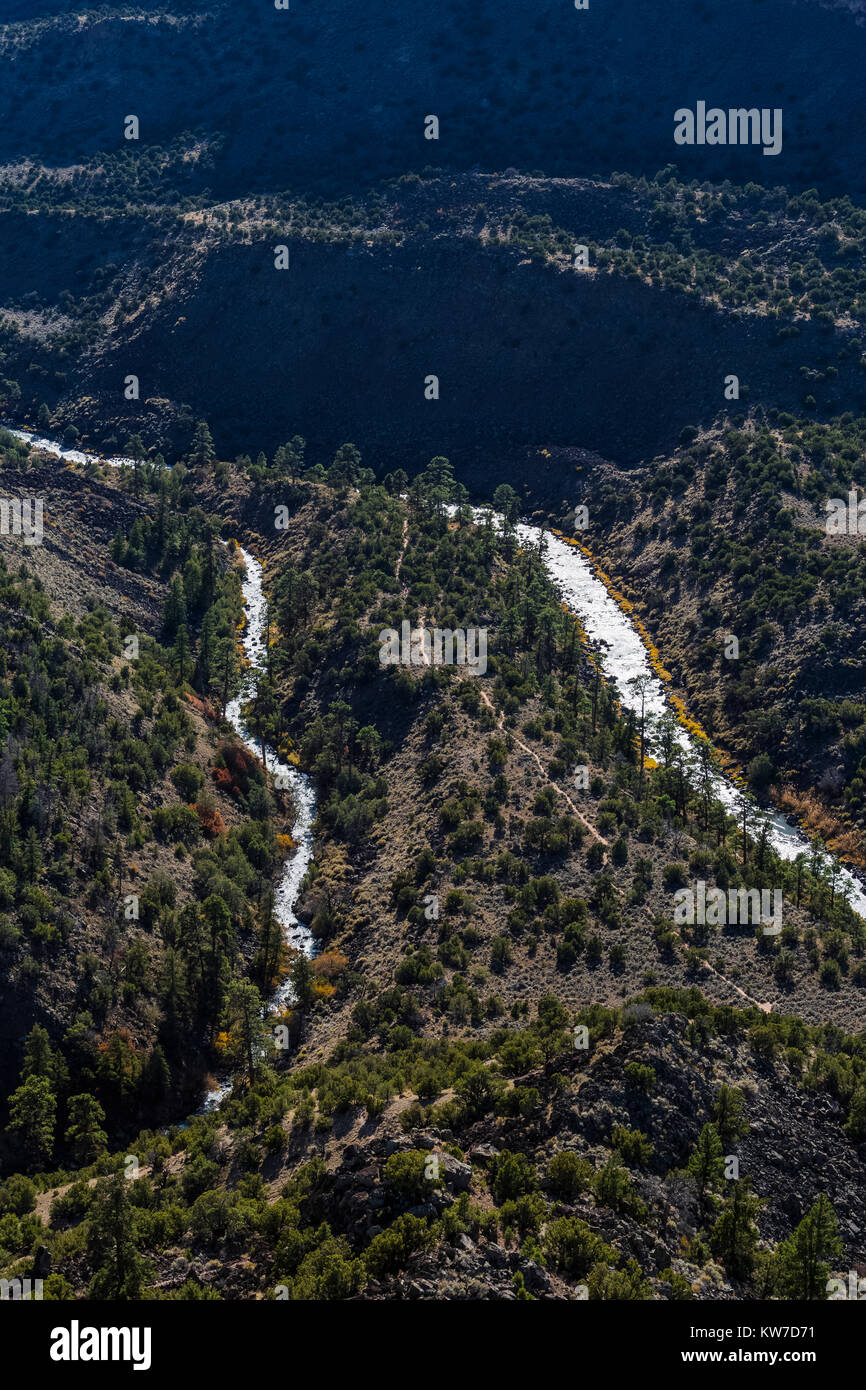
(303, 793)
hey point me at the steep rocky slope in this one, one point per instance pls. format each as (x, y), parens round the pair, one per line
(331, 96)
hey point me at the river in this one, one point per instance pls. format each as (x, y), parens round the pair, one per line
(63, 451)
(303, 793)
(624, 656)
(295, 932)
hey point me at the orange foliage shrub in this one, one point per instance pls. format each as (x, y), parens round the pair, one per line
(211, 821)
(203, 706)
(234, 777)
(329, 964)
(818, 819)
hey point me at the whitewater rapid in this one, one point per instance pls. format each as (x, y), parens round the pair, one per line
(624, 657)
(295, 932)
(303, 793)
(62, 451)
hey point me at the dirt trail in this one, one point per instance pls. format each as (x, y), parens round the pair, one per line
(500, 724)
(766, 1007)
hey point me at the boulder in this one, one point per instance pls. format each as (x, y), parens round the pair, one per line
(454, 1173)
(483, 1153)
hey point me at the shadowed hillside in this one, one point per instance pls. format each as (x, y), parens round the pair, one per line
(471, 282)
(335, 96)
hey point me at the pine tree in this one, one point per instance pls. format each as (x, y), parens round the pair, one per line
(32, 855)
(85, 1134)
(135, 450)
(181, 653)
(302, 981)
(201, 453)
(800, 1263)
(270, 954)
(856, 1123)
(118, 1268)
(40, 1059)
(32, 1109)
(734, 1236)
(226, 669)
(728, 1115)
(155, 1082)
(396, 483)
(707, 1162)
(506, 501)
(347, 461)
(174, 612)
(289, 458)
(246, 1030)
(550, 1028)
(438, 483)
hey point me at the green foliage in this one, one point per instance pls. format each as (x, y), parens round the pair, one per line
(405, 1175)
(728, 1116)
(801, 1263)
(573, 1248)
(634, 1148)
(568, 1175)
(118, 1268)
(707, 1161)
(640, 1076)
(32, 1110)
(328, 1273)
(734, 1236)
(512, 1175)
(390, 1250)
